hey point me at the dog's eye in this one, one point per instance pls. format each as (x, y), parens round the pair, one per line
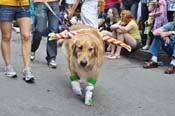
(90, 49)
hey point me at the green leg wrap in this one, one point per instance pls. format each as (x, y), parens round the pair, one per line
(92, 80)
(74, 77)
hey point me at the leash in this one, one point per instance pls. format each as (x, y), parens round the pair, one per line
(51, 10)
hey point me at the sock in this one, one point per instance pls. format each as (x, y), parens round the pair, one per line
(76, 87)
(173, 62)
(154, 58)
(89, 93)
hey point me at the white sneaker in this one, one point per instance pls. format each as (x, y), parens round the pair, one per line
(28, 76)
(16, 29)
(32, 57)
(9, 72)
(52, 63)
(146, 47)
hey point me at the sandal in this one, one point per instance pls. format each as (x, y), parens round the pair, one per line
(170, 69)
(150, 64)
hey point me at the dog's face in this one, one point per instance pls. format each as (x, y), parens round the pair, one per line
(85, 52)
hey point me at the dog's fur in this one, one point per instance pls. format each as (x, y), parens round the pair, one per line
(85, 52)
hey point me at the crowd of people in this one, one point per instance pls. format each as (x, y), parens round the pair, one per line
(116, 18)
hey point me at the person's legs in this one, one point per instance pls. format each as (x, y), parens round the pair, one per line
(120, 37)
(40, 25)
(127, 38)
(170, 15)
(130, 40)
(144, 17)
(6, 29)
(23, 19)
(52, 26)
(156, 46)
(170, 49)
(154, 49)
(25, 28)
(90, 17)
(134, 9)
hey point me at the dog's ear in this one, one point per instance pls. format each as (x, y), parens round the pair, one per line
(95, 49)
(76, 43)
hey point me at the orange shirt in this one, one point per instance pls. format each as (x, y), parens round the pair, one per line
(14, 2)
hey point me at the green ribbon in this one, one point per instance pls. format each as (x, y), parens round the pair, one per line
(74, 77)
(92, 80)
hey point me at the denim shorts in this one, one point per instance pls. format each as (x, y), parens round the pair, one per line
(9, 13)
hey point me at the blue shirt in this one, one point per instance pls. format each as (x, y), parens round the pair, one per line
(168, 27)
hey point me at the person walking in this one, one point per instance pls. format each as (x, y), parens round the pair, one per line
(89, 12)
(16, 10)
(45, 18)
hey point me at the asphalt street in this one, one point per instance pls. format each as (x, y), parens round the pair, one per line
(124, 88)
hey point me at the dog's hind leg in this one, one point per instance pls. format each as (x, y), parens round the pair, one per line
(76, 85)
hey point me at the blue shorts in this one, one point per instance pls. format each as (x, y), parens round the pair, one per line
(9, 13)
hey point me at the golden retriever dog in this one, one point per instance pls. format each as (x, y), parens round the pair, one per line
(85, 55)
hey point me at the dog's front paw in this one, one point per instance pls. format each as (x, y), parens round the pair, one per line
(88, 98)
(76, 88)
(89, 101)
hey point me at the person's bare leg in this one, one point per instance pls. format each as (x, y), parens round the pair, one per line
(6, 29)
(25, 29)
(130, 40)
(120, 37)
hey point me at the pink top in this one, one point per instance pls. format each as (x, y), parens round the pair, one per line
(110, 3)
(162, 19)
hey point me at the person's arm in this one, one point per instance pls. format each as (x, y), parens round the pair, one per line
(127, 27)
(75, 5)
(158, 13)
(162, 34)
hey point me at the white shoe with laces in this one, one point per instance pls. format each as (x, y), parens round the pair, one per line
(32, 57)
(9, 72)
(28, 76)
(52, 63)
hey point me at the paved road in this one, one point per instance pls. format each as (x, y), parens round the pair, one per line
(124, 89)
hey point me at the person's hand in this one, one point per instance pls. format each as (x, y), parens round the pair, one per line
(151, 15)
(122, 29)
(167, 40)
(119, 31)
(115, 26)
(173, 32)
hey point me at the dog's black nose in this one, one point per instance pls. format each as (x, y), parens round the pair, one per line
(83, 63)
